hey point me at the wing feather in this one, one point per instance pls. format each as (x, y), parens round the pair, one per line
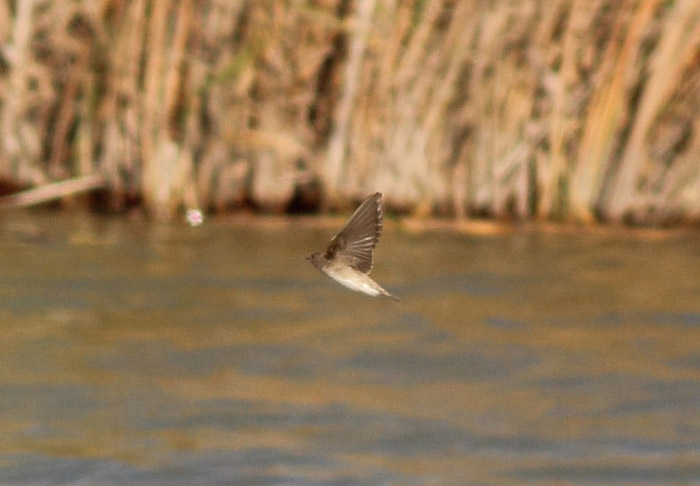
(355, 242)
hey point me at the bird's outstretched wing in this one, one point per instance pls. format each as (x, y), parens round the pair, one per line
(354, 243)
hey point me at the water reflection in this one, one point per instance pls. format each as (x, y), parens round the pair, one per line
(132, 354)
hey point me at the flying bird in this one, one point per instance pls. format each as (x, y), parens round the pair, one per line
(348, 258)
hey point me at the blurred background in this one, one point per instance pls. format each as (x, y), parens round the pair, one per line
(137, 349)
(564, 109)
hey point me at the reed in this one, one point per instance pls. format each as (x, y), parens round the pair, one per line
(564, 109)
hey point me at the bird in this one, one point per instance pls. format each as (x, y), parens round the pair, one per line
(348, 259)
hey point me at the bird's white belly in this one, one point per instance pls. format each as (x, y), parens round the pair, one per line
(363, 287)
(355, 284)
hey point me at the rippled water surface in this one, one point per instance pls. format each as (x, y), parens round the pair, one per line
(168, 355)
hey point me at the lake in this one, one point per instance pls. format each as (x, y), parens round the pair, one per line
(159, 354)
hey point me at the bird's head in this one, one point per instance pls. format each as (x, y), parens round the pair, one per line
(316, 259)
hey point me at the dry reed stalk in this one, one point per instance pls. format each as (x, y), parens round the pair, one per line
(85, 134)
(337, 144)
(399, 114)
(49, 192)
(502, 101)
(405, 140)
(287, 60)
(565, 84)
(458, 38)
(167, 160)
(60, 146)
(222, 77)
(159, 152)
(452, 58)
(678, 48)
(569, 108)
(5, 22)
(609, 112)
(679, 196)
(118, 111)
(19, 153)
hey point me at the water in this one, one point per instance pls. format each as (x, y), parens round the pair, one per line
(168, 355)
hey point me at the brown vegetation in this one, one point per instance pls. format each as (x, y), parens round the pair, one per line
(558, 109)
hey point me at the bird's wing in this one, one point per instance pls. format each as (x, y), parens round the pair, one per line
(355, 241)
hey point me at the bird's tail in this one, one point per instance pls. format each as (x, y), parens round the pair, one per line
(389, 294)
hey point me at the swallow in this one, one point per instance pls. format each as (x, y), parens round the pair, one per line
(349, 257)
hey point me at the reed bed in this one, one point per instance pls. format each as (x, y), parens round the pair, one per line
(562, 109)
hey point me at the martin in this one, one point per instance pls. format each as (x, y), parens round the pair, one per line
(348, 258)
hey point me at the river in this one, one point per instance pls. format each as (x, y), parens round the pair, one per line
(160, 354)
